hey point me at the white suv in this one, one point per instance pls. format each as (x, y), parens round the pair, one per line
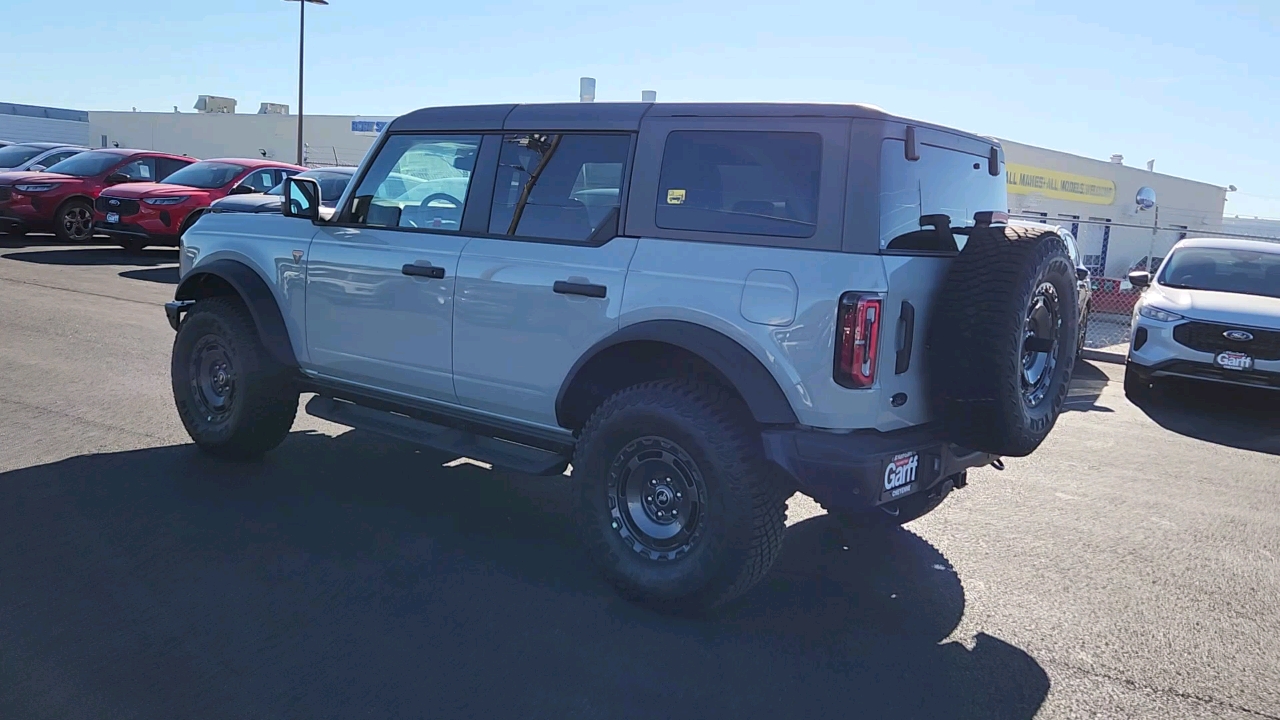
(1213, 313)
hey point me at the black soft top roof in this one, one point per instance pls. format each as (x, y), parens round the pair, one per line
(625, 116)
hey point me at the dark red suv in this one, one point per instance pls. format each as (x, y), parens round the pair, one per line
(143, 214)
(61, 198)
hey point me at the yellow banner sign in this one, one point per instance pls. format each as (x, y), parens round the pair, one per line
(1024, 180)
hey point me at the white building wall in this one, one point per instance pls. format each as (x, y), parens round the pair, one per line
(30, 128)
(1188, 204)
(329, 138)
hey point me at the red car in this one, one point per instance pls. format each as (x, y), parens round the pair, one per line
(61, 198)
(145, 214)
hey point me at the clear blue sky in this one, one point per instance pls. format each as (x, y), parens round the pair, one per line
(1195, 85)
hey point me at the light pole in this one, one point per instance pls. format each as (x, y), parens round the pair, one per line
(302, 39)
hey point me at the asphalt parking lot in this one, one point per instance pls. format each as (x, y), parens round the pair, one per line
(1129, 569)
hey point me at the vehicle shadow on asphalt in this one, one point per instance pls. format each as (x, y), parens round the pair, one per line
(97, 256)
(354, 576)
(167, 275)
(1087, 382)
(1236, 417)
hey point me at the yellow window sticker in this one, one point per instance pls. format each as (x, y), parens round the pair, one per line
(675, 197)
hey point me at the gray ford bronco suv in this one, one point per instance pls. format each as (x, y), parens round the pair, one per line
(701, 308)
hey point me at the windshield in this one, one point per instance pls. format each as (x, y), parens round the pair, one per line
(88, 164)
(332, 185)
(1235, 271)
(15, 155)
(205, 175)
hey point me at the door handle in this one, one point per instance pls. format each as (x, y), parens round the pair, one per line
(564, 287)
(902, 362)
(426, 271)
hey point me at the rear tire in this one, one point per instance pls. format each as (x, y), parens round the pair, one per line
(1002, 344)
(73, 222)
(678, 445)
(235, 400)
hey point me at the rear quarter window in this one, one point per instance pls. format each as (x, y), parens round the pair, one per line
(740, 182)
(942, 182)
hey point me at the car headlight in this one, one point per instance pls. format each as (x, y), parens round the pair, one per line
(43, 187)
(165, 200)
(1155, 313)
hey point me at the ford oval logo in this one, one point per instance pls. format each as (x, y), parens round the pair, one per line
(1238, 335)
(113, 203)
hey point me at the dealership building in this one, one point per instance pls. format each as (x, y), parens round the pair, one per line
(1094, 198)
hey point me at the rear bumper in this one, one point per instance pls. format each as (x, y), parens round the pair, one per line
(865, 469)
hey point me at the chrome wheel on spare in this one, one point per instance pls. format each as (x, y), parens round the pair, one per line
(1041, 334)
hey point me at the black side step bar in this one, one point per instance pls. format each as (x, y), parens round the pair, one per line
(499, 453)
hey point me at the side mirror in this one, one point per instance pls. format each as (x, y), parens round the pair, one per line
(37, 168)
(301, 198)
(1082, 274)
(1139, 278)
(117, 178)
(242, 190)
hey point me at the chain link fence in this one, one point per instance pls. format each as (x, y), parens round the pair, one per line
(1113, 298)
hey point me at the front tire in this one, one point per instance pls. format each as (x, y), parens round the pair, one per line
(235, 400)
(678, 506)
(1138, 385)
(74, 222)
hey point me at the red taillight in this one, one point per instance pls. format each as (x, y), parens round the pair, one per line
(857, 341)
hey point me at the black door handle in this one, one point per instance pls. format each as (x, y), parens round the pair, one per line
(902, 362)
(426, 271)
(564, 287)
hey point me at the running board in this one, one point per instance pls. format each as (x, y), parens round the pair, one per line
(499, 453)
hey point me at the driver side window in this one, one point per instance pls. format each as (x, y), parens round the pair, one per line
(417, 181)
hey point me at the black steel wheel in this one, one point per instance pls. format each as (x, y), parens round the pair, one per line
(235, 400)
(679, 508)
(658, 497)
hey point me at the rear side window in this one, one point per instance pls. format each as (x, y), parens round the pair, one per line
(942, 182)
(559, 187)
(168, 166)
(748, 183)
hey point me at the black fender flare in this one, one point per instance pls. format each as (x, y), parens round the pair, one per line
(752, 380)
(256, 295)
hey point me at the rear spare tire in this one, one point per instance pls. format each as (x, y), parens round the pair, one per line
(1002, 343)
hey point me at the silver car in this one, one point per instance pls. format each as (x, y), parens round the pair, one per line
(1211, 313)
(35, 156)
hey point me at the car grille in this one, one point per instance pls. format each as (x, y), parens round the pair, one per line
(1208, 337)
(6, 194)
(125, 207)
(1208, 372)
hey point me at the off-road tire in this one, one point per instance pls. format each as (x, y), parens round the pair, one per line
(743, 516)
(263, 399)
(1084, 333)
(977, 339)
(1137, 385)
(60, 220)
